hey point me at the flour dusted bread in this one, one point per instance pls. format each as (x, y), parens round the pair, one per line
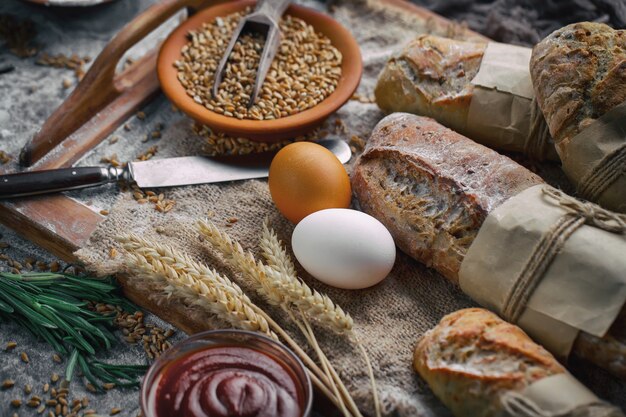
(431, 76)
(433, 187)
(472, 357)
(473, 361)
(579, 75)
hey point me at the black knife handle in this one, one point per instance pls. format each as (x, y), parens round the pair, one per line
(49, 181)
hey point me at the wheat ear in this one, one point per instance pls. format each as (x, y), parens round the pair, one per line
(274, 252)
(318, 307)
(315, 306)
(223, 297)
(278, 288)
(203, 286)
(235, 255)
(285, 291)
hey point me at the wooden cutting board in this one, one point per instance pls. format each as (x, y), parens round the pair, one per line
(100, 104)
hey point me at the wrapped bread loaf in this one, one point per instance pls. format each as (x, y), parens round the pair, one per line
(481, 366)
(432, 76)
(579, 77)
(434, 188)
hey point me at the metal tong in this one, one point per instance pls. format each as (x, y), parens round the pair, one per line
(263, 20)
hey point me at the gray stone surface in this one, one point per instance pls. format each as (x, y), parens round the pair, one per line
(41, 366)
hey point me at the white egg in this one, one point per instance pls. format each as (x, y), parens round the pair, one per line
(344, 248)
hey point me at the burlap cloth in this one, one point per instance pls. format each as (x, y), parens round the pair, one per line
(389, 317)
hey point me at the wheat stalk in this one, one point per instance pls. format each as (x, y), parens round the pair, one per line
(235, 255)
(221, 296)
(308, 333)
(333, 316)
(280, 286)
(270, 282)
(197, 284)
(315, 306)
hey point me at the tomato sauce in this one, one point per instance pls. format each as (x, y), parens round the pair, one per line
(228, 381)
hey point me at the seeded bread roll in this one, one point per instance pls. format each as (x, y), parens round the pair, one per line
(472, 357)
(432, 77)
(432, 187)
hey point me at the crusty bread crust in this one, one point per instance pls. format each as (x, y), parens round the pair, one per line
(578, 74)
(433, 188)
(472, 356)
(431, 77)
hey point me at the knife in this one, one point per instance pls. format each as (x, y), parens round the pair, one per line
(168, 172)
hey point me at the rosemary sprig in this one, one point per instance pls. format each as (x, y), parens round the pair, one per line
(55, 307)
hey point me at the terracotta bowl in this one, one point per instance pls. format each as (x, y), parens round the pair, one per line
(262, 130)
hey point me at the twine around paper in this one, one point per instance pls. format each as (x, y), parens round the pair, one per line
(577, 214)
(605, 173)
(593, 214)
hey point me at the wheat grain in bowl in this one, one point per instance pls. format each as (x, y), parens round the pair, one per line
(305, 71)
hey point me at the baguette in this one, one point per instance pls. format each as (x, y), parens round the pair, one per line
(433, 188)
(579, 74)
(432, 77)
(472, 358)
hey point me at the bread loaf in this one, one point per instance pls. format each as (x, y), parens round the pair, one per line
(432, 77)
(432, 187)
(472, 359)
(579, 74)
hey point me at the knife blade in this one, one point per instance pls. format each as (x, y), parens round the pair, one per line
(168, 172)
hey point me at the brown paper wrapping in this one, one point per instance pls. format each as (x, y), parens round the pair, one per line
(505, 68)
(559, 392)
(583, 287)
(559, 395)
(601, 143)
(502, 103)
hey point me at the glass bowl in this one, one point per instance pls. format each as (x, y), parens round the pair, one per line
(216, 338)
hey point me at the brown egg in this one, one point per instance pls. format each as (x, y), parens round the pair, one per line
(306, 177)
